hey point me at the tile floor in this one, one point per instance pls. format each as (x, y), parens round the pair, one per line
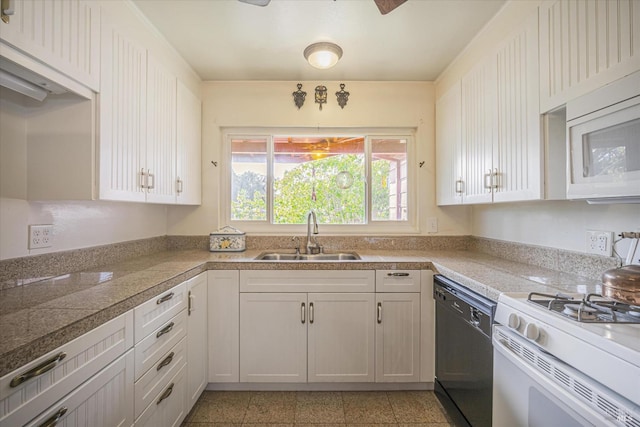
(317, 409)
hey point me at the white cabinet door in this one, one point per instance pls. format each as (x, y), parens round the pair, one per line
(224, 325)
(449, 184)
(64, 34)
(479, 108)
(273, 337)
(123, 97)
(197, 338)
(106, 400)
(341, 337)
(189, 180)
(398, 337)
(585, 45)
(517, 145)
(161, 133)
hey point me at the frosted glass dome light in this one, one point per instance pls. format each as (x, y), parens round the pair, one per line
(323, 55)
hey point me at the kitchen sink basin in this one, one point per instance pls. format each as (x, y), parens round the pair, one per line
(280, 256)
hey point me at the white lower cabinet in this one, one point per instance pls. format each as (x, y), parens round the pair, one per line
(197, 338)
(168, 408)
(106, 400)
(36, 387)
(398, 337)
(299, 337)
(223, 293)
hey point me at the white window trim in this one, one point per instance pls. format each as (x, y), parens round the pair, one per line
(410, 226)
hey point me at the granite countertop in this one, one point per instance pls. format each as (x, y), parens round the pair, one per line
(40, 316)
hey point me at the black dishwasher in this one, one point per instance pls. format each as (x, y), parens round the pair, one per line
(464, 354)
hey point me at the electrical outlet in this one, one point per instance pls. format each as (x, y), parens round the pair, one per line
(600, 242)
(40, 236)
(432, 225)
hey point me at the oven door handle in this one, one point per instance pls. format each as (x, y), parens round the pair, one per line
(548, 382)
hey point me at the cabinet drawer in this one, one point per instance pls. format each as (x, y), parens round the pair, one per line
(105, 400)
(152, 349)
(307, 281)
(168, 408)
(150, 315)
(156, 379)
(69, 366)
(397, 280)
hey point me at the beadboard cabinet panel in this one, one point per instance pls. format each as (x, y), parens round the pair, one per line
(449, 183)
(189, 164)
(64, 34)
(585, 45)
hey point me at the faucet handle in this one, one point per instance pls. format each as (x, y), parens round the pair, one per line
(296, 239)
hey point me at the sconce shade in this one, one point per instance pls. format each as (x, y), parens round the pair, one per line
(323, 55)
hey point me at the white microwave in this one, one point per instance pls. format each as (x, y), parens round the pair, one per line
(603, 131)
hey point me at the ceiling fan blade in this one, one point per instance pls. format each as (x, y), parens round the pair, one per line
(256, 2)
(386, 6)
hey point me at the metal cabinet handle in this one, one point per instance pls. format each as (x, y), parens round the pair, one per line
(310, 312)
(191, 305)
(165, 330)
(302, 313)
(7, 10)
(167, 360)
(488, 181)
(165, 298)
(166, 393)
(379, 312)
(143, 179)
(179, 185)
(45, 366)
(459, 189)
(396, 274)
(53, 419)
(494, 180)
(152, 178)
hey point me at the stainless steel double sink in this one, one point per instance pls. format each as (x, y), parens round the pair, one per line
(283, 256)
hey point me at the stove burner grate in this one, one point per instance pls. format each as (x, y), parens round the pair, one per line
(592, 308)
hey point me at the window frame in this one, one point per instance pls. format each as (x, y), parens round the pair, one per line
(410, 226)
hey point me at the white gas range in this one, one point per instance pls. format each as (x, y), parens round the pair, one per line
(564, 361)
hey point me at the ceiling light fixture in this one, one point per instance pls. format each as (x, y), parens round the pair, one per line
(323, 55)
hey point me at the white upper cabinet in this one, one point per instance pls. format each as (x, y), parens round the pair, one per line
(449, 188)
(189, 116)
(64, 34)
(123, 120)
(160, 174)
(499, 154)
(585, 45)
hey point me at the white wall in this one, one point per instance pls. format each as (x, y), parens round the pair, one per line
(270, 104)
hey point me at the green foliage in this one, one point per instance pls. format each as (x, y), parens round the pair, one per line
(293, 193)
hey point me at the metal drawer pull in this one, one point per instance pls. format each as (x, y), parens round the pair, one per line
(165, 298)
(302, 312)
(53, 419)
(310, 312)
(191, 305)
(166, 393)
(379, 312)
(397, 274)
(165, 330)
(165, 361)
(459, 189)
(45, 366)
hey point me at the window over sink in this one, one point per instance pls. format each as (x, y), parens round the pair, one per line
(353, 180)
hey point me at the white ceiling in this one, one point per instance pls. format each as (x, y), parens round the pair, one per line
(230, 40)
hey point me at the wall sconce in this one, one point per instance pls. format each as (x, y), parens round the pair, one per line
(323, 55)
(321, 95)
(299, 96)
(342, 96)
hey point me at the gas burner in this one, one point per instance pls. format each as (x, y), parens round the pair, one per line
(580, 311)
(592, 308)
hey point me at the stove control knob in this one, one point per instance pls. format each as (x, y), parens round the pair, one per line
(532, 332)
(514, 321)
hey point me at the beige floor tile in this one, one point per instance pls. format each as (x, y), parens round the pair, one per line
(367, 408)
(319, 407)
(271, 407)
(416, 407)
